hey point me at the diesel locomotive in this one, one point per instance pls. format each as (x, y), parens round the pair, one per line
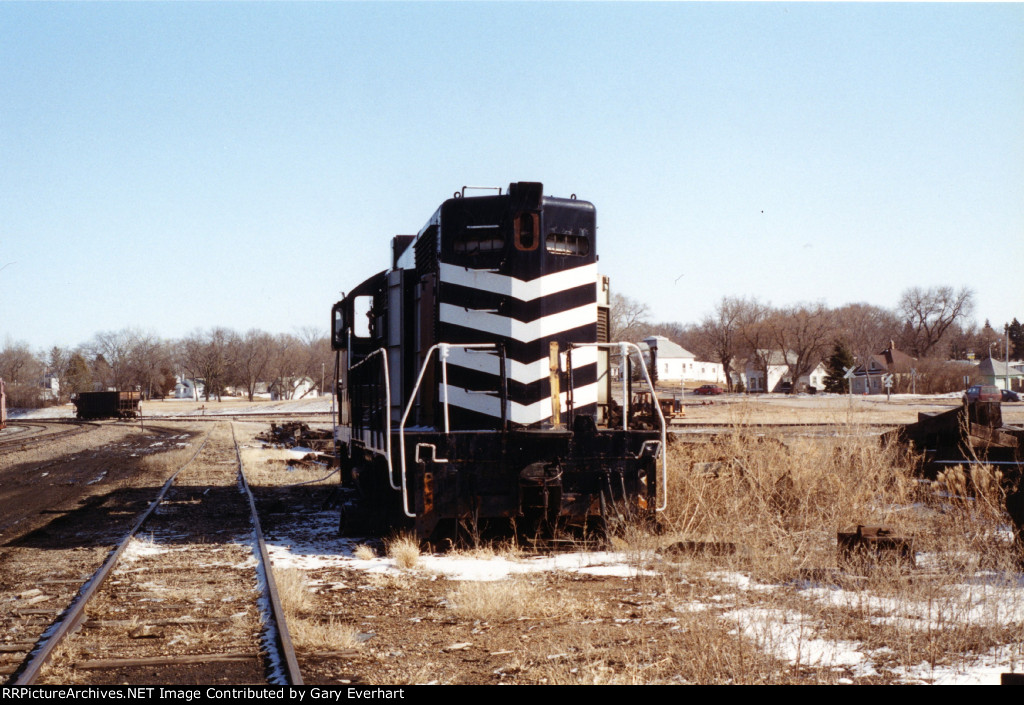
(474, 379)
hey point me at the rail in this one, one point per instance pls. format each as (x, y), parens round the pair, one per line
(75, 613)
(279, 634)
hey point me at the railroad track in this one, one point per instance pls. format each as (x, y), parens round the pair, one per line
(241, 416)
(187, 595)
(22, 435)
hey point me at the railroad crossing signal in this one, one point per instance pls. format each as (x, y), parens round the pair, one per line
(887, 381)
(849, 372)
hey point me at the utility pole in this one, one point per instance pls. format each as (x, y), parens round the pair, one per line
(1006, 335)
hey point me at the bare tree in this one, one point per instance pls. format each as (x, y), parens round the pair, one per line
(150, 364)
(22, 371)
(112, 357)
(252, 357)
(296, 358)
(285, 363)
(804, 334)
(755, 335)
(928, 313)
(865, 329)
(720, 333)
(207, 357)
(18, 365)
(628, 319)
(316, 355)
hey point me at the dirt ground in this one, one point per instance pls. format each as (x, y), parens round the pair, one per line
(186, 587)
(546, 627)
(63, 504)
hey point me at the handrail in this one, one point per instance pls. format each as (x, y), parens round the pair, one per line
(387, 409)
(445, 349)
(622, 346)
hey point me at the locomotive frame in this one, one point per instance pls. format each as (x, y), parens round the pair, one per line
(474, 381)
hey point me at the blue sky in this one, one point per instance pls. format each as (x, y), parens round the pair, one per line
(182, 166)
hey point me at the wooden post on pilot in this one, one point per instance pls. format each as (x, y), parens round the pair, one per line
(556, 403)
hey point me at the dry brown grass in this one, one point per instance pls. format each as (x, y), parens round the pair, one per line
(404, 550)
(293, 590)
(324, 635)
(390, 581)
(168, 461)
(268, 467)
(781, 501)
(507, 600)
(364, 552)
(310, 631)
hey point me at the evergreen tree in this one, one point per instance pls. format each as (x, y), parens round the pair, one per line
(841, 357)
(79, 376)
(1016, 339)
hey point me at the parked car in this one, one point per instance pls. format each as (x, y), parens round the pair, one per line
(1010, 395)
(982, 392)
(709, 389)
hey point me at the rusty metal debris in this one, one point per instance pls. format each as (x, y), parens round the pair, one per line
(295, 433)
(969, 436)
(874, 545)
(702, 548)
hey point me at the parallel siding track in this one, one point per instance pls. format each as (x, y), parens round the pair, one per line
(192, 600)
(22, 435)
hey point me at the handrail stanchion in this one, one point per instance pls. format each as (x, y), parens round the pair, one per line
(412, 401)
(624, 367)
(444, 382)
(624, 374)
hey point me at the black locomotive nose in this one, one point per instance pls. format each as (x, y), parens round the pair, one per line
(473, 382)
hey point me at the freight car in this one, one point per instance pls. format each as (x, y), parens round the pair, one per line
(107, 405)
(473, 379)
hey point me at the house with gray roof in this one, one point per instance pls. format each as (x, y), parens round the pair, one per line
(1002, 374)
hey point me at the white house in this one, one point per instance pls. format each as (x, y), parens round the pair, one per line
(51, 387)
(293, 388)
(185, 388)
(778, 377)
(678, 364)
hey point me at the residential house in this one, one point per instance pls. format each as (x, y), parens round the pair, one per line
(869, 379)
(998, 372)
(292, 388)
(778, 378)
(677, 364)
(51, 387)
(185, 388)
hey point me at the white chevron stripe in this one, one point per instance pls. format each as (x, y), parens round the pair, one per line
(518, 288)
(518, 330)
(523, 372)
(518, 413)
